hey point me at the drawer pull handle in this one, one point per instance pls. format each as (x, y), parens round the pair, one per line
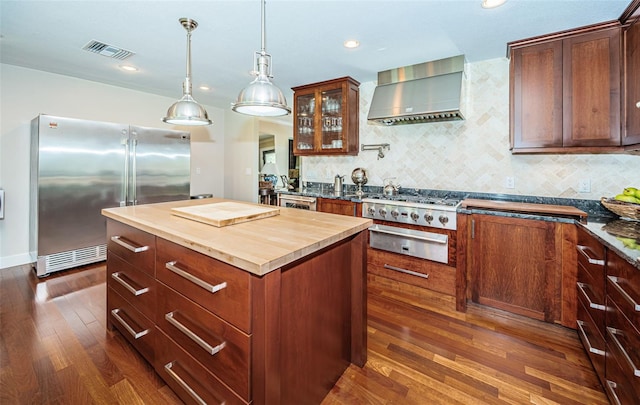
(134, 249)
(590, 348)
(136, 335)
(192, 335)
(615, 281)
(169, 369)
(613, 332)
(132, 290)
(209, 287)
(612, 389)
(584, 250)
(413, 273)
(582, 288)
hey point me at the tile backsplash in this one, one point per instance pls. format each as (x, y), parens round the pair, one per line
(473, 155)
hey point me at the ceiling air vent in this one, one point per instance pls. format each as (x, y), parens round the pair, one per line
(109, 51)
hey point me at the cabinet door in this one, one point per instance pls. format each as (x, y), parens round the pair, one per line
(591, 71)
(341, 207)
(536, 96)
(515, 266)
(632, 84)
(304, 122)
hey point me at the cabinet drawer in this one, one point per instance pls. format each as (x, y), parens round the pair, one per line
(617, 386)
(623, 343)
(596, 309)
(591, 259)
(133, 245)
(217, 286)
(135, 327)
(135, 286)
(428, 274)
(592, 340)
(623, 286)
(188, 378)
(220, 347)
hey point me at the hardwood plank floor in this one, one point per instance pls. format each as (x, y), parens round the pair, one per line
(55, 349)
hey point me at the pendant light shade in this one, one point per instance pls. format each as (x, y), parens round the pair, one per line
(187, 111)
(261, 97)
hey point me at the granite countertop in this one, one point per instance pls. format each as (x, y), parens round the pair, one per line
(257, 246)
(590, 214)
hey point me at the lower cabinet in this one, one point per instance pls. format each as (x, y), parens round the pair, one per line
(609, 318)
(342, 207)
(218, 334)
(516, 265)
(591, 299)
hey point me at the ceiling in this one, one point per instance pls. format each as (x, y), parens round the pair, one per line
(304, 37)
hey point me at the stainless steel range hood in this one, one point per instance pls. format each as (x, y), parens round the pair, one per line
(426, 92)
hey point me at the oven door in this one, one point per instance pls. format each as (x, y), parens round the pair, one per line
(425, 245)
(297, 201)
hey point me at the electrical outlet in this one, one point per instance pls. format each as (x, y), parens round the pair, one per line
(584, 186)
(510, 182)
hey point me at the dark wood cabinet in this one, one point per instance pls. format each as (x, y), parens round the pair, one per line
(219, 334)
(515, 265)
(631, 130)
(536, 96)
(609, 317)
(326, 118)
(591, 308)
(342, 207)
(565, 92)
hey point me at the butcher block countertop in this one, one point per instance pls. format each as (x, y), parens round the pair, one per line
(529, 208)
(257, 246)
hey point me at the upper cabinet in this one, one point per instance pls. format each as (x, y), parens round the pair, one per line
(326, 118)
(631, 112)
(565, 92)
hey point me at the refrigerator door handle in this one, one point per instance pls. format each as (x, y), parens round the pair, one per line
(125, 189)
(134, 172)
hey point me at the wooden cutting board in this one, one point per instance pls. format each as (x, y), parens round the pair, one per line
(225, 213)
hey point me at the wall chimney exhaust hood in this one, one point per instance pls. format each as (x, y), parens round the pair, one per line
(426, 92)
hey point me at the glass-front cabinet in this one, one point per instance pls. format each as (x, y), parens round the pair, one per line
(326, 118)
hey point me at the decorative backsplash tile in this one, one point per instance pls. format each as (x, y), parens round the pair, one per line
(473, 155)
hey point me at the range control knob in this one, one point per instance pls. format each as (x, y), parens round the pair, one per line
(428, 217)
(443, 219)
(415, 216)
(395, 214)
(371, 211)
(382, 212)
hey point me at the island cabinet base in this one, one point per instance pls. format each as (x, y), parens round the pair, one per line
(221, 334)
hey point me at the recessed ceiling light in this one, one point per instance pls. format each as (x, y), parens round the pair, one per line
(351, 43)
(205, 88)
(129, 68)
(492, 3)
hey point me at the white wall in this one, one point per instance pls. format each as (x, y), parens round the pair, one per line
(473, 155)
(25, 93)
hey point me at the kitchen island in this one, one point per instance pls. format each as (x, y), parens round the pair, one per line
(268, 311)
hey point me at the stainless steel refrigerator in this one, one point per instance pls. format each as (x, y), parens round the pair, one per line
(79, 167)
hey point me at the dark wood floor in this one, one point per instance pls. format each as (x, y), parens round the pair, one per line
(55, 349)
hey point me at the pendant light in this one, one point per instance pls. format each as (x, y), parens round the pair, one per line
(261, 97)
(187, 111)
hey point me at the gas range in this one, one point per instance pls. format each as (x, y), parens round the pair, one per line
(427, 211)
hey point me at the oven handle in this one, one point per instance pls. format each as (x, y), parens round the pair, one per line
(298, 199)
(407, 235)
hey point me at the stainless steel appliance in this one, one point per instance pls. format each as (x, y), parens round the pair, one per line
(79, 167)
(297, 201)
(416, 226)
